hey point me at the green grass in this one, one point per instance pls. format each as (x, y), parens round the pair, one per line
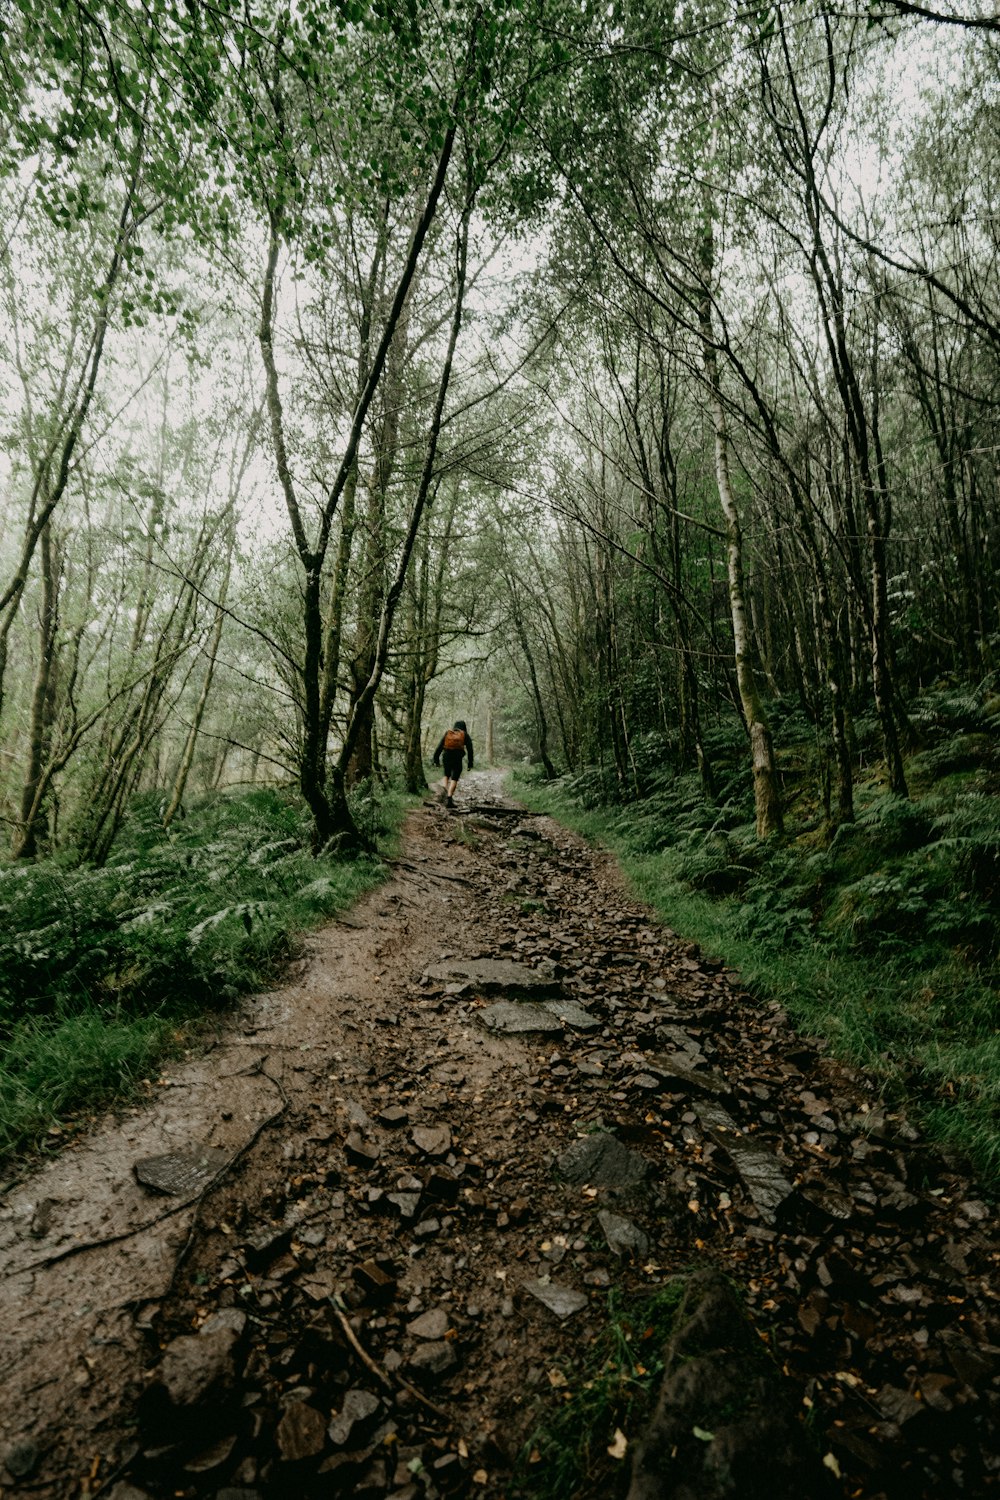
(884, 940)
(615, 1388)
(103, 972)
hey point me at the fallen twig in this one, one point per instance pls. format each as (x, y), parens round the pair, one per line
(200, 1198)
(376, 1369)
(169, 1213)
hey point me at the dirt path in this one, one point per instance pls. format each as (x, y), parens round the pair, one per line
(373, 1229)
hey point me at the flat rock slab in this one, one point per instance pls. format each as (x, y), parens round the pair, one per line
(564, 1301)
(358, 1408)
(679, 1073)
(623, 1237)
(496, 976)
(759, 1169)
(432, 1140)
(430, 1325)
(572, 1014)
(512, 1018)
(181, 1173)
(601, 1160)
(301, 1433)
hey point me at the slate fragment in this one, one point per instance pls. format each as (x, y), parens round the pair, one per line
(571, 1014)
(601, 1160)
(680, 1073)
(261, 1249)
(564, 1301)
(759, 1169)
(623, 1237)
(406, 1203)
(361, 1152)
(356, 1411)
(21, 1460)
(496, 976)
(378, 1284)
(182, 1173)
(432, 1140)
(431, 1361)
(197, 1369)
(514, 1018)
(212, 1457)
(430, 1325)
(301, 1433)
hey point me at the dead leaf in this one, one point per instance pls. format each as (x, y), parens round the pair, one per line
(618, 1446)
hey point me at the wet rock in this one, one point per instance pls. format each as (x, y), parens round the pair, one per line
(345, 1467)
(181, 1173)
(759, 1169)
(564, 1301)
(197, 1369)
(432, 1140)
(573, 1015)
(22, 1459)
(213, 1457)
(430, 1325)
(263, 1248)
(378, 1284)
(899, 1406)
(513, 1018)
(361, 1152)
(825, 1204)
(431, 1361)
(43, 1217)
(723, 1424)
(601, 1160)
(681, 1073)
(442, 1185)
(623, 1237)
(406, 1203)
(301, 1432)
(357, 1410)
(229, 1319)
(972, 1363)
(496, 976)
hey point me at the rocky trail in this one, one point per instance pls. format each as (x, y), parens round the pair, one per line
(367, 1243)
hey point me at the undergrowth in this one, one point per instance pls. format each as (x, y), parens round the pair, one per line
(615, 1391)
(883, 936)
(103, 971)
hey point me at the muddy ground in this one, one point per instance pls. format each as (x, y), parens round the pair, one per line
(394, 1228)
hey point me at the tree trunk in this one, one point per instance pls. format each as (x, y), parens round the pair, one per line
(767, 795)
(187, 756)
(26, 834)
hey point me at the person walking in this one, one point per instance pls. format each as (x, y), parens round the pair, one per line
(455, 743)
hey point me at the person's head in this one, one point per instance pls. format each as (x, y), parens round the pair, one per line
(460, 724)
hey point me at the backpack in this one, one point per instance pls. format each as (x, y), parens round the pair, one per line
(454, 739)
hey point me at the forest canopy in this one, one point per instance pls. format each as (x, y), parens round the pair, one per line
(630, 368)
